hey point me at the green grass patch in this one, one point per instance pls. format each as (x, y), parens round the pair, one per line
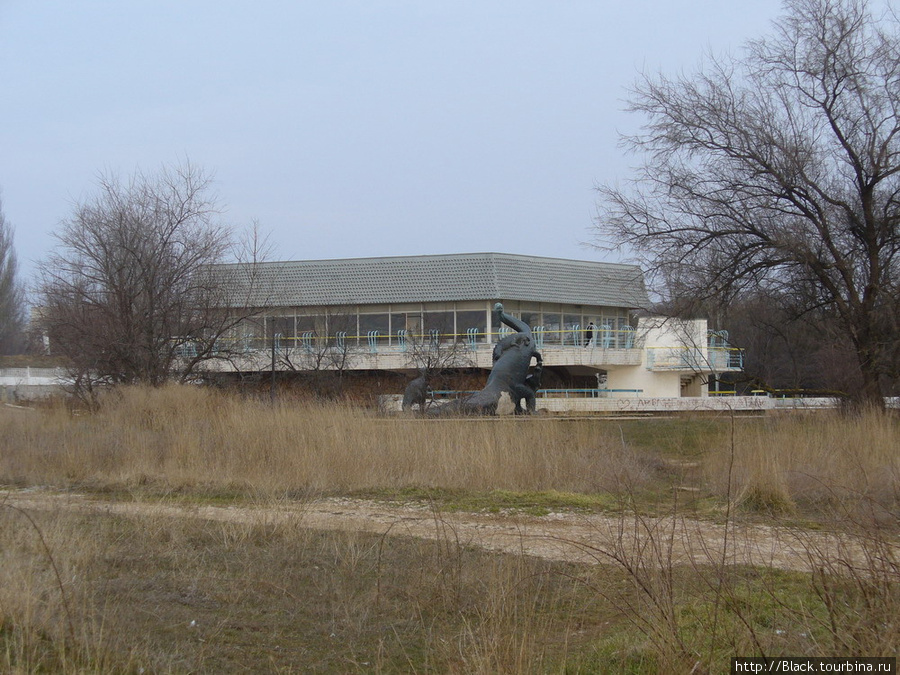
(680, 438)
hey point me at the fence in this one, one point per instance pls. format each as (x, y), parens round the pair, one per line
(377, 341)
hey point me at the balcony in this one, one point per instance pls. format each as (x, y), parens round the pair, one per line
(404, 351)
(692, 359)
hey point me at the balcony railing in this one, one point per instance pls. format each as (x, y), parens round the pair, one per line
(695, 359)
(376, 341)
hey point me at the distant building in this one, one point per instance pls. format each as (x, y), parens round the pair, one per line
(383, 314)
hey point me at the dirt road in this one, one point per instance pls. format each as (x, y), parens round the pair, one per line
(572, 537)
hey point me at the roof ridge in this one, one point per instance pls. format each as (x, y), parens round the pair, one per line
(492, 256)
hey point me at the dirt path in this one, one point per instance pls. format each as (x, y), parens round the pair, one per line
(567, 537)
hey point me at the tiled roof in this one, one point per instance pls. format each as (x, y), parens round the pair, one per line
(455, 277)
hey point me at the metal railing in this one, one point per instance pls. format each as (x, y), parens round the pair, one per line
(695, 358)
(586, 393)
(716, 356)
(377, 341)
(549, 393)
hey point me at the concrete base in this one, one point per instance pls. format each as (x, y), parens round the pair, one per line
(721, 404)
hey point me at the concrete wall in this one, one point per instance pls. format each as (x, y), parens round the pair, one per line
(639, 404)
(644, 381)
(28, 384)
(672, 349)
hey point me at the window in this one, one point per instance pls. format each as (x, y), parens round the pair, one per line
(310, 324)
(531, 318)
(471, 324)
(283, 325)
(553, 332)
(442, 322)
(572, 326)
(370, 322)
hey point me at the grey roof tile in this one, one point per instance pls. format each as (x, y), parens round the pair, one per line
(430, 278)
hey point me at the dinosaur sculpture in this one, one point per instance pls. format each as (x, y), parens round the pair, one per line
(532, 384)
(417, 392)
(508, 382)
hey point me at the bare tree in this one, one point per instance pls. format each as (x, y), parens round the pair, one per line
(322, 351)
(437, 351)
(435, 354)
(12, 298)
(133, 292)
(778, 171)
(789, 350)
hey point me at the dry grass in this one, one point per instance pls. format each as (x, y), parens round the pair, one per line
(830, 466)
(153, 594)
(114, 594)
(150, 593)
(187, 437)
(191, 438)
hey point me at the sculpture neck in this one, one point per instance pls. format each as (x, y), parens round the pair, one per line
(516, 324)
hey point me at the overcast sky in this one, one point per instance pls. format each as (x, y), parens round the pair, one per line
(347, 129)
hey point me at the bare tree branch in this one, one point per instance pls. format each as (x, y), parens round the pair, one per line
(128, 294)
(778, 170)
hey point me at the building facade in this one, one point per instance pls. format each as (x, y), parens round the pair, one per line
(401, 314)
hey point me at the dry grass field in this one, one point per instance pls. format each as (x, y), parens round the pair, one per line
(144, 592)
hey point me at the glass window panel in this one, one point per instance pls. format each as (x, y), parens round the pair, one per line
(551, 321)
(379, 322)
(414, 325)
(251, 327)
(398, 322)
(471, 319)
(466, 320)
(374, 322)
(552, 328)
(309, 323)
(341, 322)
(281, 324)
(439, 321)
(572, 324)
(532, 318)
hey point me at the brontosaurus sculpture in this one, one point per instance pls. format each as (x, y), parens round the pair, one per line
(509, 375)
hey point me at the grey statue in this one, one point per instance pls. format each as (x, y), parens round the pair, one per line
(509, 378)
(417, 391)
(532, 384)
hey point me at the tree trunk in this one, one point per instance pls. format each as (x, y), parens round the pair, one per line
(869, 394)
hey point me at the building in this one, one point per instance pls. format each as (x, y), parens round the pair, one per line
(399, 314)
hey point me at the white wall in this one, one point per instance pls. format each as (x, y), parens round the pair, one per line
(651, 384)
(672, 348)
